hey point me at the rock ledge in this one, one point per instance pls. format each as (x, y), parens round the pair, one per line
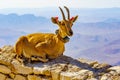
(62, 68)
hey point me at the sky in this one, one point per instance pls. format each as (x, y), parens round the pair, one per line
(56, 3)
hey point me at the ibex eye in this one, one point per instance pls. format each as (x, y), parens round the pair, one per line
(63, 23)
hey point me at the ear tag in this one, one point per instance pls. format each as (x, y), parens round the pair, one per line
(56, 18)
(71, 18)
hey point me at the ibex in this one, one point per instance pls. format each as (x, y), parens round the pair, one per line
(47, 45)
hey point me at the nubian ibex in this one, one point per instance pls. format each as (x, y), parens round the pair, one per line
(45, 46)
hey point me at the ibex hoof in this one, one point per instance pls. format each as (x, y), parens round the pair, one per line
(37, 58)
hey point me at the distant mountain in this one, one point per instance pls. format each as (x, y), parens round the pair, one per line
(109, 53)
(9, 36)
(13, 26)
(17, 19)
(112, 20)
(23, 22)
(85, 14)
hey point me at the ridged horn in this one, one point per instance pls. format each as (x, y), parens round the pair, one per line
(62, 13)
(68, 12)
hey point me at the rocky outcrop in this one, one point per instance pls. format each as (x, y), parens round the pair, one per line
(62, 68)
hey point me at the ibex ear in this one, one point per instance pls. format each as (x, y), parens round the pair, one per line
(73, 19)
(54, 20)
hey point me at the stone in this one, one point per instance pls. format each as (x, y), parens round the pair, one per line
(92, 79)
(33, 77)
(46, 78)
(80, 75)
(9, 79)
(5, 60)
(2, 76)
(6, 56)
(20, 77)
(42, 71)
(55, 74)
(7, 49)
(90, 62)
(56, 70)
(12, 75)
(4, 69)
(61, 68)
(108, 76)
(21, 69)
(115, 68)
(67, 75)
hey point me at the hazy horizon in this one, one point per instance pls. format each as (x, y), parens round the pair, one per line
(85, 14)
(21, 11)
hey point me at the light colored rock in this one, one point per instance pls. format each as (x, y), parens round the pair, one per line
(61, 68)
(7, 49)
(84, 74)
(33, 77)
(102, 66)
(47, 78)
(83, 71)
(2, 76)
(80, 75)
(67, 75)
(5, 60)
(4, 69)
(6, 56)
(56, 70)
(56, 74)
(21, 69)
(105, 78)
(20, 77)
(12, 75)
(9, 79)
(115, 68)
(73, 68)
(42, 71)
(90, 62)
(109, 76)
(92, 79)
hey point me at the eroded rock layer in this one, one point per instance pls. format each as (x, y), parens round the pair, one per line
(62, 68)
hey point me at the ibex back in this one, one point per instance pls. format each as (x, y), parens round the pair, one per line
(47, 45)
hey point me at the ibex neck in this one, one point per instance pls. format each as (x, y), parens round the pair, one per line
(63, 39)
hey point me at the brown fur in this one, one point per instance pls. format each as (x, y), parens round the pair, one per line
(45, 45)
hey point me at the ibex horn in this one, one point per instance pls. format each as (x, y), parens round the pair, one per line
(62, 13)
(68, 12)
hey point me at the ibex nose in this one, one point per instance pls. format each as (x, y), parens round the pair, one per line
(71, 33)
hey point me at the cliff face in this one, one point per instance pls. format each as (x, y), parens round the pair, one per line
(62, 68)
